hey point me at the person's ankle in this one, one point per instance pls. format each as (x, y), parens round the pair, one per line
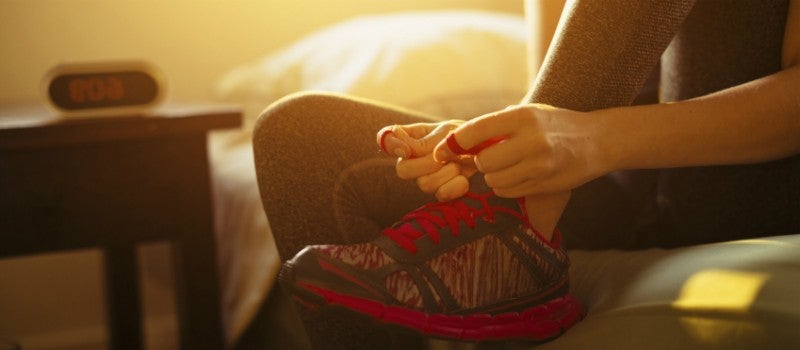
(544, 211)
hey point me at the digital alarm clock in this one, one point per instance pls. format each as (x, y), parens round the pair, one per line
(103, 88)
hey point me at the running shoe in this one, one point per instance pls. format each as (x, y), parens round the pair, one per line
(472, 269)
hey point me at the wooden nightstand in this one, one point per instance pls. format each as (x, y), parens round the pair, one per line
(111, 183)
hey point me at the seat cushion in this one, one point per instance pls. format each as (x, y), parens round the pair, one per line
(739, 294)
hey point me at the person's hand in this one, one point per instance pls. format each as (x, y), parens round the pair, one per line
(413, 145)
(541, 149)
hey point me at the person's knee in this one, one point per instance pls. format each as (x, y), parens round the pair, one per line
(294, 114)
(287, 109)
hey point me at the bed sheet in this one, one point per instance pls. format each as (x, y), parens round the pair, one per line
(247, 256)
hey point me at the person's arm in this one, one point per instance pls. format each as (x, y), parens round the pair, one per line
(549, 150)
(754, 122)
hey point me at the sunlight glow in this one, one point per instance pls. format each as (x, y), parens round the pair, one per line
(763, 241)
(718, 289)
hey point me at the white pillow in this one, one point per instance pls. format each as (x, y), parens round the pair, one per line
(454, 64)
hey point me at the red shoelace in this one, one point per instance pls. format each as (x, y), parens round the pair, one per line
(432, 217)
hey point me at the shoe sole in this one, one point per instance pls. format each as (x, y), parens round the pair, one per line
(538, 323)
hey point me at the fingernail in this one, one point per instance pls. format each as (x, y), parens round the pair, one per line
(441, 155)
(382, 139)
(399, 152)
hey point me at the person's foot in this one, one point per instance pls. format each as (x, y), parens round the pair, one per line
(471, 269)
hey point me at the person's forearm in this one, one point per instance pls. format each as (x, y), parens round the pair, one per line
(754, 122)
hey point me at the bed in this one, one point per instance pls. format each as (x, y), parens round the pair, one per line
(451, 63)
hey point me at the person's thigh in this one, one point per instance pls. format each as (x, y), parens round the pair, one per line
(321, 176)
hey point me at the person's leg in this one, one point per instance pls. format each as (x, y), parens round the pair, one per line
(321, 176)
(604, 52)
(323, 181)
(601, 57)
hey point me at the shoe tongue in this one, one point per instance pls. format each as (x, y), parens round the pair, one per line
(477, 185)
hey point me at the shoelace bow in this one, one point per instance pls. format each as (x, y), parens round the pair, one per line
(450, 215)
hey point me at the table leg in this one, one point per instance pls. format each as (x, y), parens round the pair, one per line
(198, 292)
(122, 297)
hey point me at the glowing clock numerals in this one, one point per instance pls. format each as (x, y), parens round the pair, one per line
(95, 89)
(87, 88)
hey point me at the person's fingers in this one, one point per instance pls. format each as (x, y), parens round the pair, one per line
(392, 145)
(424, 144)
(382, 134)
(522, 189)
(510, 177)
(416, 146)
(430, 183)
(502, 155)
(411, 141)
(468, 167)
(475, 135)
(409, 169)
(453, 189)
(389, 143)
(419, 130)
(399, 140)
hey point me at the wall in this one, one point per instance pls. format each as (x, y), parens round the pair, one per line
(53, 301)
(194, 41)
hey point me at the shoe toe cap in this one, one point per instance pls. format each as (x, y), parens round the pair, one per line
(313, 272)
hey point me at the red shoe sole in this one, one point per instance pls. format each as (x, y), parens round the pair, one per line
(538, 323)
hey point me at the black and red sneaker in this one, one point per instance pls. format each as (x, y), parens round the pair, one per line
(471, 269)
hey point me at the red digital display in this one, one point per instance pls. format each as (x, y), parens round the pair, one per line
(96, 89)
(77, 91)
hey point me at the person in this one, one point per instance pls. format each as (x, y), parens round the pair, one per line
(573, 164)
